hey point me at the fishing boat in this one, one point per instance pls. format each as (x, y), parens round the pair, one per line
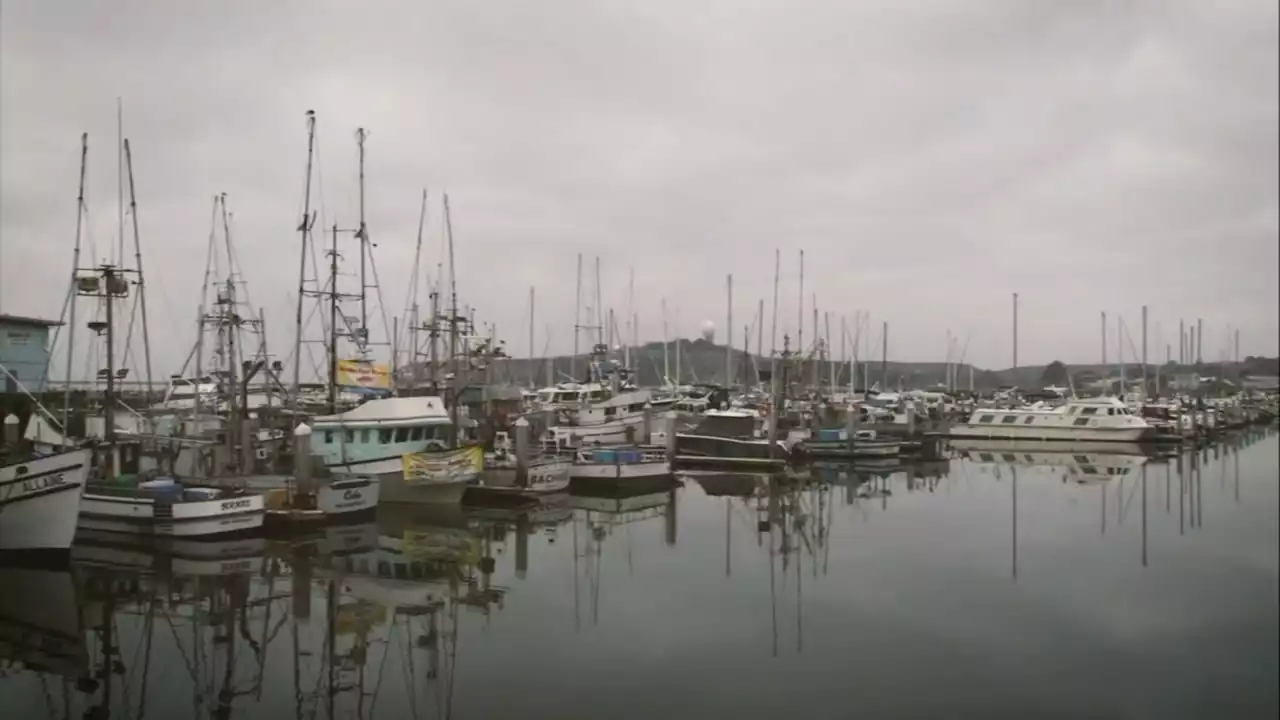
(620, 463)
(619, 419)
(729, 437)
(835, 443)
(543, 476)
(371, 439)
(1104, 419)
(40, 501)
(166, 507)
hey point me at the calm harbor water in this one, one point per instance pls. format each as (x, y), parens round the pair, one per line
(1003, 583)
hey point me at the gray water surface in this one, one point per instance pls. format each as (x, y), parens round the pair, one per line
(1000, 584)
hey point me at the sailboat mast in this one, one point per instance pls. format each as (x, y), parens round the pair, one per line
(305, 228)
(137, 257)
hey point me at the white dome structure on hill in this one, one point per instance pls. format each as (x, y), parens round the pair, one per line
(709, 331)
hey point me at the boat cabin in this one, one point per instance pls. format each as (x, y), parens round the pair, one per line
(383, 428)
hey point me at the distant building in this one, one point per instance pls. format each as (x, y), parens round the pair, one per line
(24, 353)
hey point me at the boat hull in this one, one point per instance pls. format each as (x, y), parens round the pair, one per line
(40, 502)
(620, 471)
(859, 449)
(1050, 434)
(142, 515)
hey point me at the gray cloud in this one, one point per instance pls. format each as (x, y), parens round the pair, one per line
(930, 157)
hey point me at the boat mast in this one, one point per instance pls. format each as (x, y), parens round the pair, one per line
(137, 256)
(413, 320)
(453, 325)
(333, 323)
(109, 414)
(363, 234)
(728, 343)
(577, 322)
(533, 366)
(75, 264)
(305, 228)
(227, 323)
(666, 344)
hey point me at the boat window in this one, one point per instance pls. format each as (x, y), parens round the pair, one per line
(1082, 459)
(1009, 458)
(609, 412)
(364, 436)
(350, 436)
(1030, 458)
(1071, 410)
(1009, 419)
(402, 434)
(416, 434)
(987, 457)
(328, 436)
(1111, 411)
(1089, 411)
(1088, 470)
(986, 418)
(1030, 419)
(1081, 421)
(384, 436)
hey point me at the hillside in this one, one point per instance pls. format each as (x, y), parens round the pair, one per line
(704, 361)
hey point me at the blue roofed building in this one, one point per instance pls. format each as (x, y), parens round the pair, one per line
(24, 353)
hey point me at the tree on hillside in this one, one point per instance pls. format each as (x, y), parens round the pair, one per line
(1055, 373)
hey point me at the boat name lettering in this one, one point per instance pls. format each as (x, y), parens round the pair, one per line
(40, 483)
(352, 495)
(237, 504)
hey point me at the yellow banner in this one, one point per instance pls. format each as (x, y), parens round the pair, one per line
(461, 465)
(362, 374)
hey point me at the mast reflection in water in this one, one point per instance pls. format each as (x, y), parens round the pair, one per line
(1019, 579)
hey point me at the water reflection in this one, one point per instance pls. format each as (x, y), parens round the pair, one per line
(1009, 562)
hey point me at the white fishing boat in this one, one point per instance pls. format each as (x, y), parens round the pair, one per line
(619, 419)
(168, 508)
(619, 463)
(40, 501)
(372, 438)
(544, 476)
(1104, 419)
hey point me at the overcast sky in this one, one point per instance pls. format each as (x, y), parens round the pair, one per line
(931, 158)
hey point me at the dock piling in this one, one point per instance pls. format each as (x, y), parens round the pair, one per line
(522, 452)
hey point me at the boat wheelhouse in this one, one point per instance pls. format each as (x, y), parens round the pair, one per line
(1080, 419)
(372, 438)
